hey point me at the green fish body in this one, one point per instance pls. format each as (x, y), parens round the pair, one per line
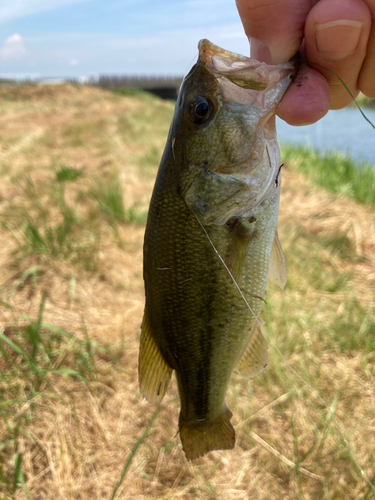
(212, 223)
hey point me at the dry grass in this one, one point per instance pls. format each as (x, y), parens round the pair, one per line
(71, 436)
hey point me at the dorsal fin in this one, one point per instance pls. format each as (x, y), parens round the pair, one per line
(255, 358)
(277, 272)
(153, 372)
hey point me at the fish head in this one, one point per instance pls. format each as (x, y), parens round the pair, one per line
(223, 104)
(223, 120)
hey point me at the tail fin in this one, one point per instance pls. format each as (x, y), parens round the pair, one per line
(201, 437)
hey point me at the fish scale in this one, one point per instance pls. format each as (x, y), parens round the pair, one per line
(212, 221)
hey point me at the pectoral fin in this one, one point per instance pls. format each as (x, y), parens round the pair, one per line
(255, 358)
(153, 372)
(240, 234)
(277, 272)
(213, 196)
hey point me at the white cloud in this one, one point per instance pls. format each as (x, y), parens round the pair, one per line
(73, 62)
(12, 48)
(14, 9)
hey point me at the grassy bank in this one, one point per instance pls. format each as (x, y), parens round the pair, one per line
(77, 166)
(333, 171)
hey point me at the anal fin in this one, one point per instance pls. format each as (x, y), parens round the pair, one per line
(153, 372)
(255, 358)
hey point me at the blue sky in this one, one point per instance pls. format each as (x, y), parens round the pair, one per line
(90, 37)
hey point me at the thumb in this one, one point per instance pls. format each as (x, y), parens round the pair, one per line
(275, 28)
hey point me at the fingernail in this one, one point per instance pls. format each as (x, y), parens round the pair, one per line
(260, 51)
(337, 40)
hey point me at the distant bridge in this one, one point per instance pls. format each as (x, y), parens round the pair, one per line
(162, 86)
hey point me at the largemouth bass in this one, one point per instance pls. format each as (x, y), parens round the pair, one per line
(212, 221)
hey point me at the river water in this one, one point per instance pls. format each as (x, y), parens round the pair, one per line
(344, 130)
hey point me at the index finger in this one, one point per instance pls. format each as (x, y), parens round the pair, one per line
(366, 81)
(275, 27)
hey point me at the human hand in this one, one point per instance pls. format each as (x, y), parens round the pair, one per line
(335, 34)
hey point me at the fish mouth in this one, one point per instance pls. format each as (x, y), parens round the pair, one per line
(243, 71)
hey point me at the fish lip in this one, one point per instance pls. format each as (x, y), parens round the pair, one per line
(241, 70)
(208, 49)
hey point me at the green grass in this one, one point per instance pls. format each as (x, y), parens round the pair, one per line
(108, 195)
(34, 357)
(55, 229)
(349, 330)
(67, 174)
(353, 330)
(133, 452)
(68, 225)
(333, 171)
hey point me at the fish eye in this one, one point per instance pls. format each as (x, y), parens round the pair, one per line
(201, 109)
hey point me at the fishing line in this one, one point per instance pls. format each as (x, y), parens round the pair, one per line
(337, 423)
(346, 88)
